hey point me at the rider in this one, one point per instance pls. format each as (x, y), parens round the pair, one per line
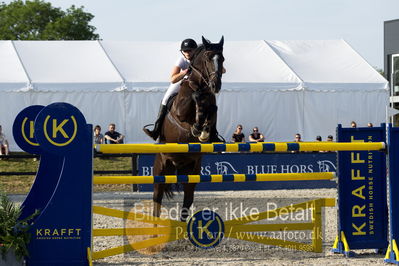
(179, 72)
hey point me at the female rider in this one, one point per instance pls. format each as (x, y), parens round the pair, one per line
(179, 71)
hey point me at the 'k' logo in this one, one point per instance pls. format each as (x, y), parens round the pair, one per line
(205, 229)
(30, 137)
(61, 132)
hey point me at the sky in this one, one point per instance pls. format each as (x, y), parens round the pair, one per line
(359, 22)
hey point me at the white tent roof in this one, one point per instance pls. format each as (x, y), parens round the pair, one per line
(256, 64)
(67, 65)
(142, 61)
(147, 65)
(328, 65)
(106, 66)
(12, 74)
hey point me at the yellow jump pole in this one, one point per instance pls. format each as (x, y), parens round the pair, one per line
(238, 147)
(171, 179)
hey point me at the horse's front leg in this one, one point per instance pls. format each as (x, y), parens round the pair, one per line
(209, 131)
(200, 113)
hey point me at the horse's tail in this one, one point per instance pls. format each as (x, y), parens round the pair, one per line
(169, 190)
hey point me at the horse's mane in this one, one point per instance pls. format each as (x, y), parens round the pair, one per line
(199, 50)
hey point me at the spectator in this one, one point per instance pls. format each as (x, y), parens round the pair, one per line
(238, 136)
(256, 136)
(318, 138)
(330, 138)
(353, 124)
(4, 148)
(370, 124)
(298, 137)
(98, 137)
(112, 136)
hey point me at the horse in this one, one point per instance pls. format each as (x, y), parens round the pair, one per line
(190, 119)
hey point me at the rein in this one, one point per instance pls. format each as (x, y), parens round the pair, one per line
(200, 74)
(208, 76)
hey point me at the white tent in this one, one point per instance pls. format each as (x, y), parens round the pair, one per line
(283, 87)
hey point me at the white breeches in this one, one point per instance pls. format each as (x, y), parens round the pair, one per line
(173, 88)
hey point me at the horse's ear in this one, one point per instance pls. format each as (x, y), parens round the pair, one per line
(221, 41)
(205, 42)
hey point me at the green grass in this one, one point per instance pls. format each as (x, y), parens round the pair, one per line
(22, 184)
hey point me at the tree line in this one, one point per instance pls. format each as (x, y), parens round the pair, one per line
(39, 20)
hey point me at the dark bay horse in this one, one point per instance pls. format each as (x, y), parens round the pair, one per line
(190, 119)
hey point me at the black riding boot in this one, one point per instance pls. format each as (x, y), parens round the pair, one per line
(215, 137)
(154, 134)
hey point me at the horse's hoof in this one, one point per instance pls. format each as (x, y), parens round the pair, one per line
(204, 137)
(195, 132)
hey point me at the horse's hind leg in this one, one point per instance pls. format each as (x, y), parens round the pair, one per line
(189, 188)
(188, 200)
(159, 189)
(157, 199)
(161, 167)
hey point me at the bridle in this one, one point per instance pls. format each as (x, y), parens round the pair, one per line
(208, 75)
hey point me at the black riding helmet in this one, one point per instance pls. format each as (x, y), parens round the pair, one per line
(188, 44)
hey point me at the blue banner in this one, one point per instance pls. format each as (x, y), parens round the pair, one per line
(256, 163)
(363, 211)
(393, 140)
